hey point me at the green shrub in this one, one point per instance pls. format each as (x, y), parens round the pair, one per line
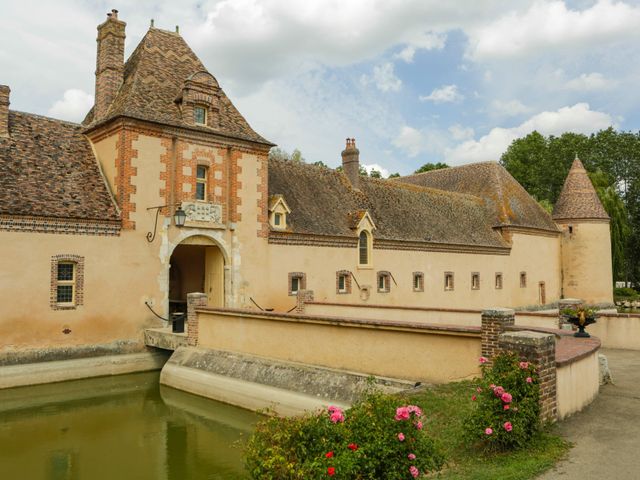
(507, 405)
(624, 292)
(379, 437)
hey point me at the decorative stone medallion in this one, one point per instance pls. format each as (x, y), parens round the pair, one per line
(203, 212)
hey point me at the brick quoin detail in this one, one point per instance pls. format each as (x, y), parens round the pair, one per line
(494, 322)
(236, 186)
(194, 300)
(263, 201)
(124, 173)
(303, 297)
(540, 350)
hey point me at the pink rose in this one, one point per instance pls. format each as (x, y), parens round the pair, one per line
(402, 413)
(337, 416)
(488, 431)
(473, 398)
(415, 410)
(529, 380)
(524, 365)
(411, 456)
(483, 360)
(498, 391)
(506, 407)
(506, 397)
(401, 437)
(507, 426)
(414, 471)
(419, 425)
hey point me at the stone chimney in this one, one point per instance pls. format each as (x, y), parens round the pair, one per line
(109, 63)
(351, 163)
(4, 110)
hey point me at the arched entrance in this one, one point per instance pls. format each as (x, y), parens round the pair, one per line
(196, 265)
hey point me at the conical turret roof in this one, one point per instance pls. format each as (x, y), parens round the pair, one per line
(578, 199)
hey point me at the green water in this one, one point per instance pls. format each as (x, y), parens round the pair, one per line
(119, 428)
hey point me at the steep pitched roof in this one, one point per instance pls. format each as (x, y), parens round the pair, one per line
(47, 169)
(578, 199)
(154, 76)
(323, 202)
(503, 195)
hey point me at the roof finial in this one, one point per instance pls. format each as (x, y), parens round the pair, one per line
(177, 28)
(576, 156)
(151, 23)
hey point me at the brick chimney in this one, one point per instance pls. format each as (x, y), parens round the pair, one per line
(351, 162)
(4, 110)
(109, 63)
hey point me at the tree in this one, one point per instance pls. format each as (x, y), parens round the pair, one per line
(394, 175)
(277, 153)
(427, 167)
(375, 173)
(541, 165)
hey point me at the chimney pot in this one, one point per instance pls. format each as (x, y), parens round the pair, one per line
(109, 63)
(115, 13)
(5, 91)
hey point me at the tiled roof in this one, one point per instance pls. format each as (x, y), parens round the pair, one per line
(323, 202)
(154, 76)
(578, 199)
(47, 169)
(509, 202)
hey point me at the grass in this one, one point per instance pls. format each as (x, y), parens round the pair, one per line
(445, 408)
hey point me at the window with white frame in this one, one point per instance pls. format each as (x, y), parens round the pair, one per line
(201, 182)
(297, 282)
(343, 281)
(384, 282)
(67, 279)
(200, 115)
(448, 280)
(475, 281)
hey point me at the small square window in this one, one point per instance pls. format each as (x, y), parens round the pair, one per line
(448, 281)
(343, 281)
(384, 282)
(200, 115)
(475, 281)
(498, 281)
(523, 279)
(418, 282)
(297, 282)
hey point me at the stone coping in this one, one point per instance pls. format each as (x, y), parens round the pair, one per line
(346, 321)
(396, 307)
(570, 349)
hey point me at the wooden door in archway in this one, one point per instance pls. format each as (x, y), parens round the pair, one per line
(214, 277)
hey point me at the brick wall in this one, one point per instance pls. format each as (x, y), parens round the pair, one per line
(109, 63)
(494, 322)
(303, 297)
(194, 300)
(4, 110)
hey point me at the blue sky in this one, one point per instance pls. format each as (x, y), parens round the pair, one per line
(414, 81)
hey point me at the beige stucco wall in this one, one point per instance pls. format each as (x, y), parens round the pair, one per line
(106, 153)
(539, 256)
(586, 262)
(407, 353)
(617, 332)
(577, 384)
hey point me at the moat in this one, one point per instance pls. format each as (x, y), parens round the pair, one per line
(122, 427)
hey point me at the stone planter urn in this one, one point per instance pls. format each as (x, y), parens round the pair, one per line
(580, 317)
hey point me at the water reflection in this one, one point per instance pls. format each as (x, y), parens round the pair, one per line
(118, 428)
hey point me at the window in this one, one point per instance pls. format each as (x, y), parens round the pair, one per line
(498, 281)
(277, 219)
(475, 281)
(200, 115)
(67, 278)
(201, 182)
(418, 282)
(523, 279)
(363, 248)
(297, 282)
(343, 281)
(570, 229)
(384, 282)
(448, 280)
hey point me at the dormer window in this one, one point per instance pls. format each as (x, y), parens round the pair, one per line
(200, 115)
(278, 212)
(364, 248)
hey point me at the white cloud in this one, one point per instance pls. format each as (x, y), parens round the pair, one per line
(444, 94)
(73, 107)
(549, 24)
(589, 82)
(458, 132)
(410, 141)
(578, 118)
(384, 78)
(510, 108)
(426, 41)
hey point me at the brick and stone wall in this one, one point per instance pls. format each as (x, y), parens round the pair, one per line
(194, 300)
(109, 63)
(4, 110)
(494, 323)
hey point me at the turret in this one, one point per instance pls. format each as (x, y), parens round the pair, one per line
(586, 241)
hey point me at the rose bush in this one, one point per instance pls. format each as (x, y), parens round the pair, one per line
(379, 437)
(506, 411)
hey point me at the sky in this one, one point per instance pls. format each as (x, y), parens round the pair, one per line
(413, 81)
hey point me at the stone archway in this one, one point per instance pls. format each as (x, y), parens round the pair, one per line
(197, 264)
